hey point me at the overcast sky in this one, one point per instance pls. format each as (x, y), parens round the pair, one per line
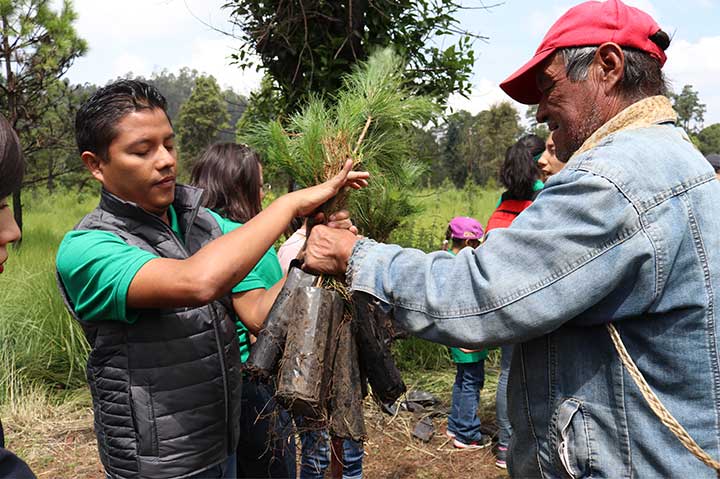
(144, 36)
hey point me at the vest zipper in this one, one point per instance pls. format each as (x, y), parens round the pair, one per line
(193, 215)
(224, 372)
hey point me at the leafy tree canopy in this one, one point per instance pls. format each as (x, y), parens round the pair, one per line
(473, 146)
(709, 139)
(201, 118)
(691, 112)
(37, 46)
(309, 45)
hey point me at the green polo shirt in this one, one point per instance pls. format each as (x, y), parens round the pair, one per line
(460, 357)
(264, 275)
(97, 267)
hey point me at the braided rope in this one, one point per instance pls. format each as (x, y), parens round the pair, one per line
(657, 407)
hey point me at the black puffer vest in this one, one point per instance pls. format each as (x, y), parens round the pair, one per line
(166, 389)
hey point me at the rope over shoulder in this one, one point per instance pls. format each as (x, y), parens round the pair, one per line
(657, 407)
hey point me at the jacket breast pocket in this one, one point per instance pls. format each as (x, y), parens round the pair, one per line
(143, 413)
(573, 440)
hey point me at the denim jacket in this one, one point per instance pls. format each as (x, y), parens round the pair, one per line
(629, 233)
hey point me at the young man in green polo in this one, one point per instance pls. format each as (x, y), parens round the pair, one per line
(148, 274)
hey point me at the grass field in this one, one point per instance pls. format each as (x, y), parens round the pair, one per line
(44, 349)
(44, 400)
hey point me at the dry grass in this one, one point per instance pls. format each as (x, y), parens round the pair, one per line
(55, 438)
(393, 453)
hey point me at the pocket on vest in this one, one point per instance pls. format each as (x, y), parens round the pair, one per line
(143, 414)
(573, 442)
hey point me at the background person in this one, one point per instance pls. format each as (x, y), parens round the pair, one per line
(231, 178)
(548, 161)
(148, 274)
(612, 269)
(519, 175)
(12, 169)
(463, 422)
(714, 160)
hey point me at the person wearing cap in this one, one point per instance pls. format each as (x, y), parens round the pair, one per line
(614, 269)
(714, 160)
(463, 422)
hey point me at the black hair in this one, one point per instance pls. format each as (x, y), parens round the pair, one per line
(230, 175)
(12, 166)
(97, 118)
(519, 171)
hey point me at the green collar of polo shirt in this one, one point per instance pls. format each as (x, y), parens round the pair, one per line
(174, 224)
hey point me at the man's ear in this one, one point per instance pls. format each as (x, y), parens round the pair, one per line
(610, 61)
(94, 164)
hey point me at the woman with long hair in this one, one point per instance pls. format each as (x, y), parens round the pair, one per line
(520, 176)
(231, 176)
(232, 179)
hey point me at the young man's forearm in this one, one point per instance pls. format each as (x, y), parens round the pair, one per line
(214, 269)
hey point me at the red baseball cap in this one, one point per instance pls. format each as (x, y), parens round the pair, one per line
(588, 24)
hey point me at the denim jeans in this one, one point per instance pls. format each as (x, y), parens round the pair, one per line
(463, 419)
(267, 446)
(501, 399)
(316, 456)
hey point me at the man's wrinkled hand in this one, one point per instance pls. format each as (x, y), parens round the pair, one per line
(328, 250)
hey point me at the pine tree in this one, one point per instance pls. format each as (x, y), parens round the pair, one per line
(201, 118)
(37, 46)
(372, 121)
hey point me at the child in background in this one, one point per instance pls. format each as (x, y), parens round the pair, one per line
(463, 423)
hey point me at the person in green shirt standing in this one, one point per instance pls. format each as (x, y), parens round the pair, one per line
(463, 422)
(231, 177)
(149, 276)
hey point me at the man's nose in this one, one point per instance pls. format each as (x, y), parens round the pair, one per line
(166, 159)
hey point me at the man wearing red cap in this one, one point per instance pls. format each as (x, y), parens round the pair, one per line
(608, 283)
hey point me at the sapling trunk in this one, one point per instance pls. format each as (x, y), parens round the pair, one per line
(268, 349)
(373, 341)
(302, 379)
(346, 402)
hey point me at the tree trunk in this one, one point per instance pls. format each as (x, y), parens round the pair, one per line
(17, 213)
(51, 176)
